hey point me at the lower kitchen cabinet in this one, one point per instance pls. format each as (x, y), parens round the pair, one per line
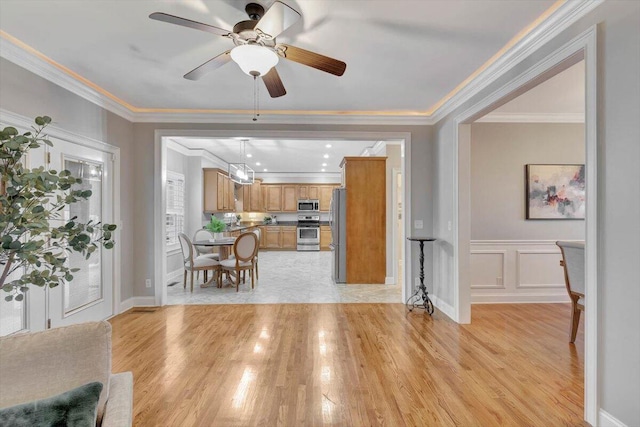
(278, 237)
(325, 237)
(289, 240)
(272, 237)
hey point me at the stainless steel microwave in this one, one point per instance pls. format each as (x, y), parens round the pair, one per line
(308, 205)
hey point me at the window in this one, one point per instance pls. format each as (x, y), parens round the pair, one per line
(175, 207)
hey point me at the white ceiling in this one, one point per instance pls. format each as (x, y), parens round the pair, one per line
(401, 55)
(281, 155)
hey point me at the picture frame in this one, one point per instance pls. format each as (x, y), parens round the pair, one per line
(555, 191)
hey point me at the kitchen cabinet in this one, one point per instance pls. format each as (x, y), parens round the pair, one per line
(365, 182)
(274, 198)
(325, 237)
(252, 197)
(218, 191)
(272, 237)
(289, 198)
(325, 197)
(289, 238)
(306, 191)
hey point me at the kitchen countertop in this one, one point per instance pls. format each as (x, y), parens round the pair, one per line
(247, 225)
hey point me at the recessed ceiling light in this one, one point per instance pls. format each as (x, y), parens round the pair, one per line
(257, 163)
(324, 164)
(322, 170)
(328, 145)
(249, 155)
(264, 170)
(326, 156)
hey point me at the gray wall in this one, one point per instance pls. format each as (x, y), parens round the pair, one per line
(22, 92)
(144, 134)
(499, 153)
(618, 192)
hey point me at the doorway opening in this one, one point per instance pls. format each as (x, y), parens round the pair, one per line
(285, 184)
(582, 48)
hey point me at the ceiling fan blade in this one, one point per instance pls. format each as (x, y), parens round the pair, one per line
(311, 59)
(274, 84)
(210, 65)
(278, 18)
(171, 19)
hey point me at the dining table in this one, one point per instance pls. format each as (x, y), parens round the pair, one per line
(224, 245)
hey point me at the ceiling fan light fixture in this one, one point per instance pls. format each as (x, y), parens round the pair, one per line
(254, 60)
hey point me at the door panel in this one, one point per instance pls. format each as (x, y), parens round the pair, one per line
(89, 296)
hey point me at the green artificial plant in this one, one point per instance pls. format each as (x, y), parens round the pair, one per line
(216, 225)
(30, 200)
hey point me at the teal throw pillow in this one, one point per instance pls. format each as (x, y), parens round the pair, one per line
(74, 408)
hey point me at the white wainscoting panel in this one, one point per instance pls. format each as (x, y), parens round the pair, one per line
(488, 269)
(536, 269)
(516, 271)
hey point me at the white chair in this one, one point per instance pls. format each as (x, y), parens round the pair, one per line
(195, 264)
(204, 234)
(573, 263)
(257, 233)
(244, 250)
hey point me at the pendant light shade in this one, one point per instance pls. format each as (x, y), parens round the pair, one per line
(254, 60)
(240, 172)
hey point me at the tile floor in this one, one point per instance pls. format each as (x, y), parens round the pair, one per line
(287, 277)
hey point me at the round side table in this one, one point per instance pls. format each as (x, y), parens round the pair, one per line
(420, 298)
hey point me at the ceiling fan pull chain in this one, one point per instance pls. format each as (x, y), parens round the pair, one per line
(255, 98)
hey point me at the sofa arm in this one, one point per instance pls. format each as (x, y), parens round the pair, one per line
(119, 408)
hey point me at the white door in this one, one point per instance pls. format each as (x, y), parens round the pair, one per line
(89, 296)
(27, 314)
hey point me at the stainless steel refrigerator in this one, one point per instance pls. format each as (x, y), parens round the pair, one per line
(338, 223)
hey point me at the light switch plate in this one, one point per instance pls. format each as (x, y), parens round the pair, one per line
(418, 224)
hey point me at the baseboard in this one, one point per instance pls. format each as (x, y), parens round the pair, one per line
(389, 280)
(605, 419)
(132, 302)
(519, 299)
(443, 306)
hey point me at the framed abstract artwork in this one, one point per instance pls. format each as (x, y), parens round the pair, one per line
(555, 191)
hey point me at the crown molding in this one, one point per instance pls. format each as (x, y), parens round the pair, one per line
(267, 117)
(563, 17)
(532, 118)
(560, 20)
(47, 71)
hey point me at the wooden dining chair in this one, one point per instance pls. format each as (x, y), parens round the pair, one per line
(573, 264)
(244, 250)
(257, 233)
(204, 234)
(192, 264)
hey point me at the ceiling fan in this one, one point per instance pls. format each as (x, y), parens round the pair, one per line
(256, 50)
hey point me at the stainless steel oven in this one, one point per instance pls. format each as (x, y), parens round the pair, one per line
(308, 205)
(308, 233)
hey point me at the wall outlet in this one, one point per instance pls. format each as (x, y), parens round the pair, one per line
(416, 282)
(418, 224)
(147, 283)
(498, 281)
(449, 225)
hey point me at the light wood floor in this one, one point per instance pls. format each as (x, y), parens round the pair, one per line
(350, 365)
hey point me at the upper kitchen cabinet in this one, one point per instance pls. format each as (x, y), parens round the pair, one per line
(252, 197)
(306, 191)
(218, 191)
(273, 202)
(289, 198)
(325, 192)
